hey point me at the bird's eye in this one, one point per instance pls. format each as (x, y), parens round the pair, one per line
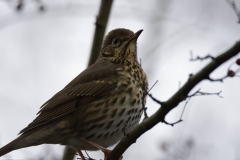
(115, 41)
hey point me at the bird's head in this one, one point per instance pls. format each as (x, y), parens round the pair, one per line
(120, 45)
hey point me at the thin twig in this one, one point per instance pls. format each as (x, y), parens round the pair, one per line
(233, 5)
(145, 112)
(200, 58)
(217, 80)
(152, 86)
(230, 73)
(198, 93)
(88, 155)
(154, 99)
(185, 105)
(172, 124)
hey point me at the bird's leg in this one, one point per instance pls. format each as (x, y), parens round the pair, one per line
(104, 150)
(81, 154)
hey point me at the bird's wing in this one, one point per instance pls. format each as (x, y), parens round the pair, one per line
(87, 87)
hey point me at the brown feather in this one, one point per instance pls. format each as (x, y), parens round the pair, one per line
(88, 86)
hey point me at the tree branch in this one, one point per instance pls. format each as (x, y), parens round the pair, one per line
(101, 23)
(233, 5)
(170, 104)
(200, 58)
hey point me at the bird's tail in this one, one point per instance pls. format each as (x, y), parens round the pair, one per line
(9, 147)
(30, 138)
(24, 140)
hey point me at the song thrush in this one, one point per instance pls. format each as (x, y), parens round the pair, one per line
(97, 108)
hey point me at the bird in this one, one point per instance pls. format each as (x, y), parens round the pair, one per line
(98, 107)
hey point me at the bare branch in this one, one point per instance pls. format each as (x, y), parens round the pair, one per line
(173, 102)
(154, 99)
(145, 108)
(172, 124)
(230, 73)
(200, 58)
(217, 80)
(185, 105)
(152, 86)
(145, 112)
(88, 155)
(235, 8)
(198, 93)
(101, 23)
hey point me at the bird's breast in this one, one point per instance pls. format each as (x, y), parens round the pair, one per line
(112, 116)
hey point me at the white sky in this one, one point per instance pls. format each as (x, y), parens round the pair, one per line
(41, 52)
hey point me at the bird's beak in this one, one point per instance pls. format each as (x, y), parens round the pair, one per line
(135, 36)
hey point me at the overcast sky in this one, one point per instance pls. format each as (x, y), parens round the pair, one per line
(41, 52)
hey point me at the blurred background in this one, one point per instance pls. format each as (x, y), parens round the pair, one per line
(45, 44)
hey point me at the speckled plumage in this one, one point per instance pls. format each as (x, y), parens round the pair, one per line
(101, 104)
